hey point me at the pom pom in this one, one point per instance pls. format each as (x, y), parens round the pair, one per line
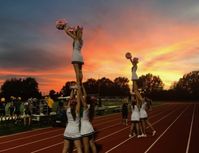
(135, 60)
(128, 55)
(79, 27)
(60, 24)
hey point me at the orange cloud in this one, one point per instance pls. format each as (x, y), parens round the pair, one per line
(165, 47)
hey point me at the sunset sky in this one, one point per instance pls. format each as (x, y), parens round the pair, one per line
(163, 34)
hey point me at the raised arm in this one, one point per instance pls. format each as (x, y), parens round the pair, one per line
(72, 94)
(84, 103)
(78, 103)
(70, 32)
(62, 24)
(131, 61)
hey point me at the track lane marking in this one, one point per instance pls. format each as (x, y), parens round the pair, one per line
(43, 140)
(28, 137)
(166, 130)
(50, 138)
(29, 143)
(20, 133)
(190, 131)
(154, 115)
(57, 130)
(134, 136)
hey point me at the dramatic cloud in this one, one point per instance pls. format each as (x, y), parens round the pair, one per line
(163, 34)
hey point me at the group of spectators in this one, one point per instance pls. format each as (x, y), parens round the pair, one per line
(17, 110)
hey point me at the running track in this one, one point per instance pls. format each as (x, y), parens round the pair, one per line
(177, 126)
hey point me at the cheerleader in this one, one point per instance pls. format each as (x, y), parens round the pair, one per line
(135, 118)
(134, 77)
(146, 104)
(143, 118)
(77, 59)
(72, 131)
(87, 131)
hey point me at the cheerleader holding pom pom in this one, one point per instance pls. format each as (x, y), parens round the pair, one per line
(77, 59)
(134, 78)
(62, 24)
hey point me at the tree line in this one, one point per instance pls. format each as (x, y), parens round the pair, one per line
(186, 88)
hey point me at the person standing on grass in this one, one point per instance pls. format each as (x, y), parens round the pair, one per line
(50, 103)
(72, 131)
(135, 119)
(17, 113)
(11, 109)
(2, 109)
(27, 114)
(146, 105)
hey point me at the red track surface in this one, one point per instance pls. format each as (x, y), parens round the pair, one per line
(177, 127)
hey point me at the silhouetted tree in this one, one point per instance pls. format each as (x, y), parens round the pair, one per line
(91, 86)
(11, 87)
(24, 88)
(65, 91)
(187, 87)
(30, 87)
(106, 87)
(121, 86)
(151, 85)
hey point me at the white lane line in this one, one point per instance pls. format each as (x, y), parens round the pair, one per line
(190, 131)
(119, 119)
(52, 137)
(99, 117)
(133, 136)
(47, 147)
(56, 130)
(154, 115)
(30, 136)
(116, 114)
(6, 136)
(128, 127)
(42, 134)
(165, 130)
(44, 148)
(30, 143)
(106, 122)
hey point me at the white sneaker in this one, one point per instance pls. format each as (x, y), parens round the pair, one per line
(144, 135)
(154, 132)
(139, 136)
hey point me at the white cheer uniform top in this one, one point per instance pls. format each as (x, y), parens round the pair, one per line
(86, 126)
(143, 113)
(76, 55)
(135, 115)
(72, 130)
(134, 74)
